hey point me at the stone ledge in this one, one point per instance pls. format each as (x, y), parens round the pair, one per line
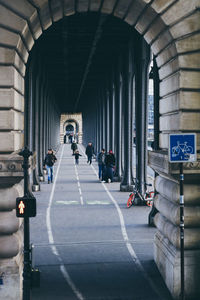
(159, 161)
(11, 165)
(172, 233)
(171, 191)
(11, 170)
(171, 211)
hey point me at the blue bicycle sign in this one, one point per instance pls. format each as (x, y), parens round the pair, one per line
(182, 147)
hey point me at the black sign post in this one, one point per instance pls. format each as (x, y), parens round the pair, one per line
(21, 206)
(182, 148)
(182, 232)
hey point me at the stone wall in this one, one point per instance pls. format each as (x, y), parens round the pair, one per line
(172, 29)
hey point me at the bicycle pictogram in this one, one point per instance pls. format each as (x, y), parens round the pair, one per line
(182, 149)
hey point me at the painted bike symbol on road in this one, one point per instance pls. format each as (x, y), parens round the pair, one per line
(182, 149)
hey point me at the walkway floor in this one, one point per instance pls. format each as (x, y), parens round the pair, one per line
(88, 245)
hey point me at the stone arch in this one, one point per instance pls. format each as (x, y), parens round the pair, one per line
(171, 28)
(73, 118)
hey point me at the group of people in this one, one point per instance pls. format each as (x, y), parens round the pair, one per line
(106, 162)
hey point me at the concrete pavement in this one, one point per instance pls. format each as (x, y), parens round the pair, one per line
(88, 245)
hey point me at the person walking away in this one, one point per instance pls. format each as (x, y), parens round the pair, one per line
(74, 147)
(110, 163)
(70, 138)
(101, 164)
(77, 154)
(49, 161)
(89, 152)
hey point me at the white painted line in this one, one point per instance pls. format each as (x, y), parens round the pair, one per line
(79, 185)
(125, 235)
(81, 198)
(67, 202)
(51, 239)
(70, 282)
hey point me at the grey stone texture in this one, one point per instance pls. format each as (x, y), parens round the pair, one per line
(172, 30)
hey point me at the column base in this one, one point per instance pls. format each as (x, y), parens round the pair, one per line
(41, 178)
(35, 187)
(117, 179)
(126, 188)
(167, 258)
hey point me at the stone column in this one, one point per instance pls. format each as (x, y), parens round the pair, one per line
(107, 120)
(35, 132)
(111, 110)
(142, 64)
(179, 108)
(40, 135)
(118, 122)
(97, 128)
(126, 184)
(112, 116)
(100, 111)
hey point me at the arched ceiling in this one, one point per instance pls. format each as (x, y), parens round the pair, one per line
(78, 52)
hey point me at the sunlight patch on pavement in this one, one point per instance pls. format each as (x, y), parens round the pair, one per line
(96, 202)
(68, 202)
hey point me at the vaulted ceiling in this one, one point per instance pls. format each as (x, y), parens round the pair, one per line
(77, 53)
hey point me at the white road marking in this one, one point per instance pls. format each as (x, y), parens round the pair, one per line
(67, 202)
(125, 235)
(79, 186)
(51, 239)
(97, 202)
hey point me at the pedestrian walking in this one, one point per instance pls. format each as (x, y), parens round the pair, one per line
(74, 147)
(70, 138)
(49, 161)
(77, 154)
(101, 164)
(89, 152)
(110, 164)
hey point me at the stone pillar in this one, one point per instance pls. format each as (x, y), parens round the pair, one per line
(36, 132)
(40, 135)
(126, 184)
(12, 139)
(103, 119)
(97, 128)
(118, 120)
(167, 238)
(100, 111)
(112, 116)
(179, 108)
(142, 64)
(107, 120)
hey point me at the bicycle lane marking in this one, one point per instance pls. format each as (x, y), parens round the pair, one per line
(79, 185)
(125, 236)
(51, 239)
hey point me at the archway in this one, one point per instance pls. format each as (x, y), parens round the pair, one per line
(176, 54)
(74, 120)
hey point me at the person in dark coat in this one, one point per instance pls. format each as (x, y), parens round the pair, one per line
(101, 164)
(89, 152)
(110, 163)
(74, 146)
(77, 154)
(49, 161)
